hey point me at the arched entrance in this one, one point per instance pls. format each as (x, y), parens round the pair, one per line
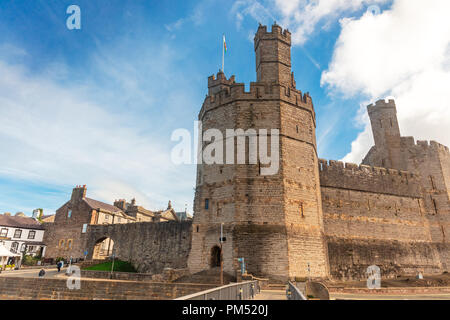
(216, 257)
(103, 249)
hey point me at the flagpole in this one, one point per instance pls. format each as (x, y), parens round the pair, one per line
(223, 54)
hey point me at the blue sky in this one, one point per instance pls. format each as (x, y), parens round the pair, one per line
(97, 106)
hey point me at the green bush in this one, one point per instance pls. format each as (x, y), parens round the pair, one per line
(29, 260)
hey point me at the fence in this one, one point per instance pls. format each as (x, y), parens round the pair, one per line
(293, 293)
(236, 291)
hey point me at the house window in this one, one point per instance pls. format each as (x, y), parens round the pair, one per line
(14, 247)
(3, 232)
(69, 213)
(31, 235)
(61, 243)
(18, 233)
(23, 247)
(206, 204)
(84, 228)
(119, 219)
(69, 244)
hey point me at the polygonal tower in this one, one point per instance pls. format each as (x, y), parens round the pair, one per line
(273, 221)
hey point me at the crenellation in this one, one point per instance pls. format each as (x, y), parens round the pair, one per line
(366, 178)
(351, 166)
(423, 143)
(258, 91)
(276, 32)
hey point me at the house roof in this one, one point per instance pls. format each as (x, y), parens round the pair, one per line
(19, 222)
(94, 204)
(48, 218)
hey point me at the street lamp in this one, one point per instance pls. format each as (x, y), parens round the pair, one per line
(221, 254)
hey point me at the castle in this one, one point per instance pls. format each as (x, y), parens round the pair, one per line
(316, 218)
(312, 218)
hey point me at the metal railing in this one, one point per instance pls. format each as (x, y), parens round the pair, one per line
(235, 291)
(293, 293)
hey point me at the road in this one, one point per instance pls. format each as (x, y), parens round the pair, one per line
(34, 273)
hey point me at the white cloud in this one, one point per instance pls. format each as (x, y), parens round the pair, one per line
(56, 135)
(404, 53)
(303, 17)
(253, 9)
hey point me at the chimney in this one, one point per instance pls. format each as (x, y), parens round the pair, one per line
(121, 204)
(78, 193)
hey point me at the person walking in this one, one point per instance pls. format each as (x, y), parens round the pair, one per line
(59, 265)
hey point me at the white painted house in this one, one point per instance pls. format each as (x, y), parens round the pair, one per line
(21, 234)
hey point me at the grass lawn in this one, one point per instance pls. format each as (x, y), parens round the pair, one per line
(119, 266)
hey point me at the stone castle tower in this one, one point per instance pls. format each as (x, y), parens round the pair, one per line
(430, 161)
(274, 221)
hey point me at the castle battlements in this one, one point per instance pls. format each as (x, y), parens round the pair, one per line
(276, 33)
(432, 145)
(224, 91)
(325, 165)
(381, 104)
(221, 78)
(340, 175)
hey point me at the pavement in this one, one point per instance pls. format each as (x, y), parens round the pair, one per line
(34, 273)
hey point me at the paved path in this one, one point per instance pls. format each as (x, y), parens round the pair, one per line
(34, 273)
(271, 295)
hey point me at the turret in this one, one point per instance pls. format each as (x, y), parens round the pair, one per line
(386, 132)
(273, 56)
(215, 85)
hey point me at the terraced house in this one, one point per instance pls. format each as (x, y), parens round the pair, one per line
(20, 234)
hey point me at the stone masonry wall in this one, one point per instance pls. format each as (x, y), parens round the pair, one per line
(67, 228)
(149, 246)
(13, 288)
(375, 216)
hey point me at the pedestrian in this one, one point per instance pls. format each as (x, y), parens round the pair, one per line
(41, 273)
(59, 265)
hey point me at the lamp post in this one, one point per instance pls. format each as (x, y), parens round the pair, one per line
(221, 254)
